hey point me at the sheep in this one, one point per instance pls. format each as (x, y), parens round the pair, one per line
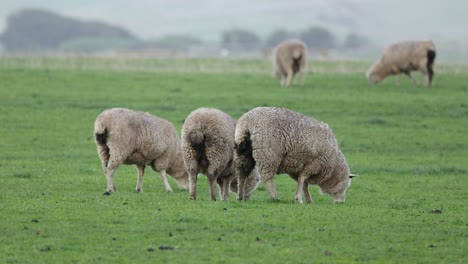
(125, 136)
(405, 57)
(290, 58)
(250, 184)
(278, 140)
(208, 147)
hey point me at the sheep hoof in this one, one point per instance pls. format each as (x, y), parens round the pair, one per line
(138, 190)
(106, 193)
(193, 198)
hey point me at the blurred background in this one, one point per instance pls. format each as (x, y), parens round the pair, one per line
(332, 29)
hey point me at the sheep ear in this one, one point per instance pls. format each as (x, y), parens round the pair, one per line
(352, 175)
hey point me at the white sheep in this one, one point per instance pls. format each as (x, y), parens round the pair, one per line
(405, 57)
(208, 146)
(278, 140)
(290, 58)
(125, 136)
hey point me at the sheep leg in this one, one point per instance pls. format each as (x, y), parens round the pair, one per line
(290, 77)
(283, 80)
(111, 167)
(398, 79)
(103, 152)
(424, 71)
(300, 188)
(193, 185)
(110, 179)
(306, 193)
(141, 172)
(165, 181)
(302, 77)
(271, 188)
(415, 82)
(212, 186)
(241, 188)
(224, 189)
(427, 79)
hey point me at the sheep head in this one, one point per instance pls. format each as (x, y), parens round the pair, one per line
(373, 75)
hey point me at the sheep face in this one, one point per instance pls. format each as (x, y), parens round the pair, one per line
(183, 182)
(375, 79)
(373, 76)
(340, 195)
(251, 183)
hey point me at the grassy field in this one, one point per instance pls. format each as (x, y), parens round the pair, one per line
(408, 144)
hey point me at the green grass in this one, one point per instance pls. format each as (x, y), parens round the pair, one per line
(408, 144)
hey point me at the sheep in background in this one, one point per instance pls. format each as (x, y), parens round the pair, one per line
(405, 57)
(290, 58)
(125, 136)
(278, 140)
(208, 146)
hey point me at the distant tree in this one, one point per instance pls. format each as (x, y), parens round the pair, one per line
(240, 39)
(318, 38)
(278, 36)
(355, 41)
(40, 30)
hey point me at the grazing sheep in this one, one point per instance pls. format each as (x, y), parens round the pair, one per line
(208, 146)
(278, 140)
(251, 184)
(405, 57)
(290, 58)
(132, 137)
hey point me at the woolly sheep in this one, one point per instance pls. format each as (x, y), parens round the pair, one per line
(405, 57)
(208, 147)
(278, 140)
(290, 58)
(125, 136)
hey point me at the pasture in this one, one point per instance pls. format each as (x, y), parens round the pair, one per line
(408, 144)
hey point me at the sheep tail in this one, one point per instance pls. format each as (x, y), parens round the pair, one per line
(196, 137)
(245, 161)
(297, 57)
(297, 54)
(431, 55)
(101, 134)
(197, 141)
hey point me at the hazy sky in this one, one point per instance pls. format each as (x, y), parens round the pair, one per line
(382, 21)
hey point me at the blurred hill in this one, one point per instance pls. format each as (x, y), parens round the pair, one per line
(35, 30)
